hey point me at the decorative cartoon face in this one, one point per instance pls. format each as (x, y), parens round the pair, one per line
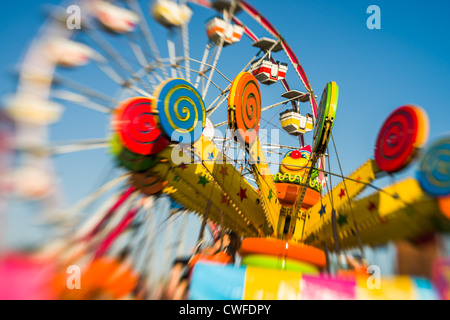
(295, 161)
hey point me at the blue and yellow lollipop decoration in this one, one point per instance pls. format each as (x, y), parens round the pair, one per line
(181, 110)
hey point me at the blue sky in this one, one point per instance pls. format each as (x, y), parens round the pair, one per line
(406, 61)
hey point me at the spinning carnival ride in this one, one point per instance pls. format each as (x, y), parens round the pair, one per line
(164, 115)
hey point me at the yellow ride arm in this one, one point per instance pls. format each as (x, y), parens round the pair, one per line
(320, 214)
(401, 211)
(264, 180)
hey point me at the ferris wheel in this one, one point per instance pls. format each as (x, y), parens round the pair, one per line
(176, 99)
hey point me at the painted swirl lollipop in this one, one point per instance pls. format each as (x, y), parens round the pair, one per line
(244, 107)
(434, 169)
(181, 110)
(402, 134)
(138, 128)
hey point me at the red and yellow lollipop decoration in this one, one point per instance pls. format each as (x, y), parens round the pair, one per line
(244, 116)
(403, 133)
(138, 128)
(244, 107)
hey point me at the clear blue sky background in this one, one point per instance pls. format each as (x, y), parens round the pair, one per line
(407, 61)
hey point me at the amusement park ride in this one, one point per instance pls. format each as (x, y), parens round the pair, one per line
(163, 138)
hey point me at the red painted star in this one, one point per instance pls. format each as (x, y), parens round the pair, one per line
(225, 200)
(372, 206)
(383, 220)
(183, 166)
(341, 194)
(242, 193)
(224, 171)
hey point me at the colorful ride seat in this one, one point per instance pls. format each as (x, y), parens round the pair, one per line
(171, 14)
(295, 123)
(285, 249)
(219, 30)
(114, 18)
(287, 193)
(267, 71)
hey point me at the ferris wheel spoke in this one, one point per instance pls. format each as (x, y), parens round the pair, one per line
(134, 5)
(153, 232)
(135, 243)
(210, 66)
(108, 49)
(213, 68)
(168, 235)
(80, 100)
(212, 82)
(109, 238)
(174, 67)
(112, 53)
(78, 146)
(102, 225)
(182, 235)
(171, 49)
(71, 213)
(146, 66)
(180, 52)
(202, 64)
(140, 91)
(111, 73)
(278, 104)
(220, 124)
(150, 71)
(278, 146)
(141, 247)
(137, 50)
(223, 97)
(83, 89)
(185, 37)
(69, 148)
(266, 145)
(157, 77)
